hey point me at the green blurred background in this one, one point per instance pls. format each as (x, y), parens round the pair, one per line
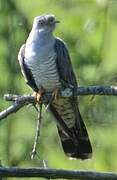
(89, 27)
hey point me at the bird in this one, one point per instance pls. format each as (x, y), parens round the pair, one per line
(46, 66)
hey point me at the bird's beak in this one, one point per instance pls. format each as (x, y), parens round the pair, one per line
(57, 21)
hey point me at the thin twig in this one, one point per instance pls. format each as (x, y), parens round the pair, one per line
(34, 151)
(45, 165)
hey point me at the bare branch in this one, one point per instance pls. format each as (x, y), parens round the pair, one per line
(34, 150)
(12, 109)
(21, 101)
(96, 90)
(18, 103)
(56, 174)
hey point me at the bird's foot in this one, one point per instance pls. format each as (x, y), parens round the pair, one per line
(39, 94)
(55, 93)
(54, 96)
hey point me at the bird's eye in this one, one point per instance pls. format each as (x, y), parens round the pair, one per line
(51, 21)
(41, 22)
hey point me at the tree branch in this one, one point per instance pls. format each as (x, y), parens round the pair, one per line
(56, 174)
(21, 101)
(18, 103)
(96, 90)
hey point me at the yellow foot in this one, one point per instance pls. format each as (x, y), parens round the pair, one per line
(55, 93)
(39, 94)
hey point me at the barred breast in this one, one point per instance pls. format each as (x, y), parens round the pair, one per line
(43, 68)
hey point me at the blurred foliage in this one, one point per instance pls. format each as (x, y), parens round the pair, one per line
(89, 27)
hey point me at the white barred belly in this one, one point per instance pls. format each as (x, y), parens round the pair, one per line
(44, 71)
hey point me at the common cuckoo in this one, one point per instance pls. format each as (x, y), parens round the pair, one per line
(46, 66)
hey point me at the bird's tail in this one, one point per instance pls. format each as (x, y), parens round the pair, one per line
(77, 145)
(75, 141)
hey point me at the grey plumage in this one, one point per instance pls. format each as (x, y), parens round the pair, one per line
(45, 62)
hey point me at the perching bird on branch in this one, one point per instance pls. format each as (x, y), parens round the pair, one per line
(46, 66)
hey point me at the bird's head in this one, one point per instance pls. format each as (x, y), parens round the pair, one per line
(46, 23)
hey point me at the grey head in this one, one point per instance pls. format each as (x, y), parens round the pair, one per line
(46, 23)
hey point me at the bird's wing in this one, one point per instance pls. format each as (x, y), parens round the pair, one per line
(64, 65)
(25, 70)
(72, 130)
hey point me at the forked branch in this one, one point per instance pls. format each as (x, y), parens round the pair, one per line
(21, 101)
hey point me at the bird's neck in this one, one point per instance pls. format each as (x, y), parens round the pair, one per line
(41, 36)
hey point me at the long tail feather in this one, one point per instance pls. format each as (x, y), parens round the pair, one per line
(75, 140)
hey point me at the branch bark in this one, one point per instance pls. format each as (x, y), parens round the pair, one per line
(96, 90)
(56, 174)
(18, 103)
(21, 101)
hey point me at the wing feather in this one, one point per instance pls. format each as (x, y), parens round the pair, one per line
(78, 144)
(25, 70)
(63, 62)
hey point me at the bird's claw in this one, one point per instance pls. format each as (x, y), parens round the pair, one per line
(55, 93)
(38, 95)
